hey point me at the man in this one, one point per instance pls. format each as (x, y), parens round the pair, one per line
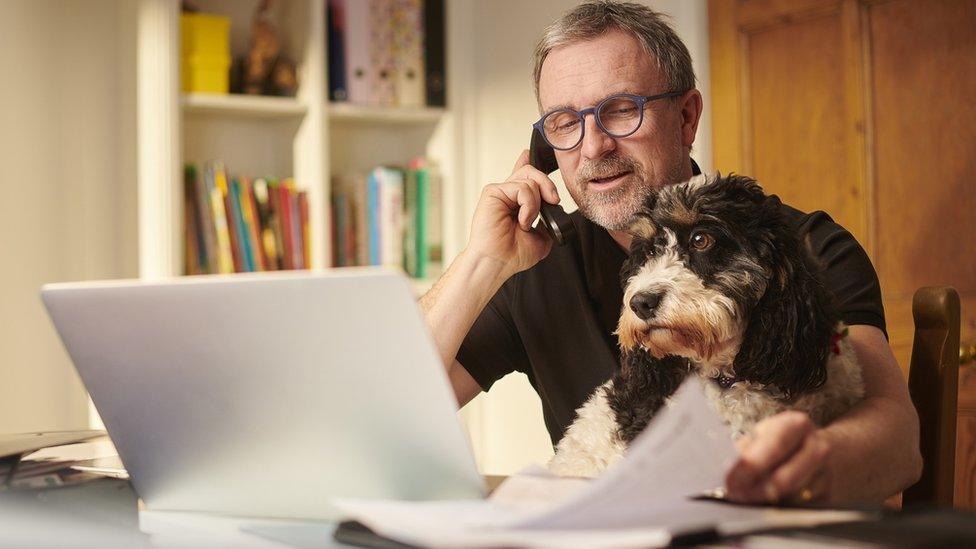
(513, 302)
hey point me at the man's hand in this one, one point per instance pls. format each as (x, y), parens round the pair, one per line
(864, 456)
(785, 458)
(502, 225)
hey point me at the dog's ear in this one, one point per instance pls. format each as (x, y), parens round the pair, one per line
(787, 341)
(642, 227)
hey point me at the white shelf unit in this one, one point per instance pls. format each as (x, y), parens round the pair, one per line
(305, 137)
(247, 106)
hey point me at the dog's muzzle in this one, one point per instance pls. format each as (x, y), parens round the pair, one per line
(644, 304)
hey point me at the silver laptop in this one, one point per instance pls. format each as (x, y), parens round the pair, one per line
(268, 394)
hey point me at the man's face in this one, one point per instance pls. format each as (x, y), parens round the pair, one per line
(609, 178)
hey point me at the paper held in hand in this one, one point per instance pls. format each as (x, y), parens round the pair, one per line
(644, 500)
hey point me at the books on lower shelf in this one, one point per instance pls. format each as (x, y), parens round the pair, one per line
(389, 216)
(239, 224)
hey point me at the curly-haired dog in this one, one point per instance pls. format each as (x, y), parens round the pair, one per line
(717, 283)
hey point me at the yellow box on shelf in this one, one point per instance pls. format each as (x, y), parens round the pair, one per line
(205, 74)
(204, 34)
(205, 53)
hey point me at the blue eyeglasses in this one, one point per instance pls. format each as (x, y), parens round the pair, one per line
(618, 116)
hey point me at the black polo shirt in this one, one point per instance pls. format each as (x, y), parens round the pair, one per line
(555, 321)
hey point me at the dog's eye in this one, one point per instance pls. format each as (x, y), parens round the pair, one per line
(701, 241)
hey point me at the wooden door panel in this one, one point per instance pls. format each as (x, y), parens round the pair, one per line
(924, 80)
(893, 161)
(798, 125)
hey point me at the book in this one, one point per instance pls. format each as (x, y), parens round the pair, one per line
(253, 222)
(207, 235)
(194, 259)
(421, 220)
(234, 226)
(243, 231)
(214, 178)
(335, 13)
(410, 222)
(435, 74)
(295, 225)
(384, 217)
(408, 52)
(357, 50)
(244, 223)
(304, 229)
(391, 217)
(373, 217)
(267, 216)
(288, 243)
(434, 219)
(382, 66)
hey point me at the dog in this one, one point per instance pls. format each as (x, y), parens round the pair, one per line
(717, 284)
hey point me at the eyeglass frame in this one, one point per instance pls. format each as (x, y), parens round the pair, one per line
(641, 100)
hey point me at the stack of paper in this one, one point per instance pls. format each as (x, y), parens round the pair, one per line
(647, 499)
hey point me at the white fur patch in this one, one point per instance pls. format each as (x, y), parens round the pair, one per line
(591, 444)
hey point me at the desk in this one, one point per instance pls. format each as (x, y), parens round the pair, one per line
(110, 518)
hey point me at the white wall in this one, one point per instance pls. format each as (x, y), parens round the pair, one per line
(65, 129)
(499, 105)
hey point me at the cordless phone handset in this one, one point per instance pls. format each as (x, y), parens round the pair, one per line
(556, 221)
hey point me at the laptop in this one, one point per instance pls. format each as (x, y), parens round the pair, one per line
(268, 394)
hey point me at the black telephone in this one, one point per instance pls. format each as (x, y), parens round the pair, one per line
(556, 221)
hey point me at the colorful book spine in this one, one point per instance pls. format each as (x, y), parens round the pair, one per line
(205, 222)
(305, 229)
(336, 26)
(286, 233)
(381, 58)
(243, 231)
(216, 185)
(408, 52)
(253, 222)
(391, 217)
(338, 224)
(373, 217)
(435, 75)
(294, 224)
(409, 225)
(194, 257)
(421, 214)
(357, 49)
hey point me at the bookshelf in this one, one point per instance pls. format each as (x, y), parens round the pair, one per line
(245, 106)
(305, 137)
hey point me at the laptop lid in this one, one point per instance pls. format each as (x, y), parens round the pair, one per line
(268, 394)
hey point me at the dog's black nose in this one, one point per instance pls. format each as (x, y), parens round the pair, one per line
(644, 304)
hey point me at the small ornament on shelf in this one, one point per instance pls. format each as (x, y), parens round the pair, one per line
(265, 70)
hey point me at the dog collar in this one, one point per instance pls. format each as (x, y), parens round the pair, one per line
(835, 340)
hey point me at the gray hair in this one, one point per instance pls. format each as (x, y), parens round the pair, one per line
(594, 18)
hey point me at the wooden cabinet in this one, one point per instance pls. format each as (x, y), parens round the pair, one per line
(863, 108)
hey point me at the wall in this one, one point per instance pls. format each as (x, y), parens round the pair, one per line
(498, 102)
(66, 138)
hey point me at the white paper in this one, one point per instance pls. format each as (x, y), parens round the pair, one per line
(641, 501)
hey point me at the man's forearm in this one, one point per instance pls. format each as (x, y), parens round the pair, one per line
(454, 303)
(875, 451)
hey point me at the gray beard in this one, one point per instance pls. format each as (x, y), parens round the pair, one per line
(614, 209)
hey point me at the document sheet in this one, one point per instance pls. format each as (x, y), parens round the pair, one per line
(643, 500)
